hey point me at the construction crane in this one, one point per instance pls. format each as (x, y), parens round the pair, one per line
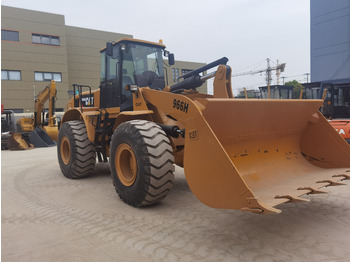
(279, 68)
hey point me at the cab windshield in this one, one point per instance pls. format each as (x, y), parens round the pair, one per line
(130, 64)
(143, 65)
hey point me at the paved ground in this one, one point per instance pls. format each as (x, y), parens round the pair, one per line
(46, 217)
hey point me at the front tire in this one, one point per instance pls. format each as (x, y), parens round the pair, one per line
(76, 154)
(142, 163)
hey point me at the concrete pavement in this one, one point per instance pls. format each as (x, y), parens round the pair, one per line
(47, 217)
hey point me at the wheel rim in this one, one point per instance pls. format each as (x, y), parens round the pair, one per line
(65, 150)
(126, 164)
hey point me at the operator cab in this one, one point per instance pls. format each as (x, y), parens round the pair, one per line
(337, 100)
(130, 62)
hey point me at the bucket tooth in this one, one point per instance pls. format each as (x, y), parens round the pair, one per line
(292, 199)
(312, 190)
(331, 182)
(253, 210)
(345, 177)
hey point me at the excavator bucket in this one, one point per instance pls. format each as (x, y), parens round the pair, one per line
(51, 131)
(39, 138)
(255, 154)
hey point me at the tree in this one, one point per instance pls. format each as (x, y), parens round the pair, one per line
(297, 87)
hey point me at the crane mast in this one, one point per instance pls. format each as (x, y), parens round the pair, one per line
(278, 68)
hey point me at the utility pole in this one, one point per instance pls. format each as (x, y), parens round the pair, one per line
(307, 77)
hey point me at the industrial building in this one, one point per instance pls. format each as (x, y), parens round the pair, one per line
(330, 52)
(330, 40)
(330, 61)
(38, 47)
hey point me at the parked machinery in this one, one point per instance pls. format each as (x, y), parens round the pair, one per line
(40, 130)
(246, 154)
(336, 107)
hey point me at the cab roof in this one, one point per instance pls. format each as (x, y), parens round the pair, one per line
(138, 41)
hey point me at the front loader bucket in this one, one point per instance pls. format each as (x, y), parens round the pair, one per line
(253, 155)
(17, 141)
(39, 138)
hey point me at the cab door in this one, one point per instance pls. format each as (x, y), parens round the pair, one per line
(110, 79)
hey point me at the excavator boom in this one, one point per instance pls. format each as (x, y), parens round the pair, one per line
(33, 131)
(49, 93)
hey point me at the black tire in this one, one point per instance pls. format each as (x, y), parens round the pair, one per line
(76, 154)
(142, 155)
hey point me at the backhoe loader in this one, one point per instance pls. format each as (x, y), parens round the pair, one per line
(38, 130)
(246, 154)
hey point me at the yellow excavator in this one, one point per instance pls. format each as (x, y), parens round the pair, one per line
(38, 131)
(246, 154)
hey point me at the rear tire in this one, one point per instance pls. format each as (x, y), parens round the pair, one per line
(76, 154)
(142, 163)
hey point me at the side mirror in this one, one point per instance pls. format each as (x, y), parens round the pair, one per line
(171, 59)
(109, 49)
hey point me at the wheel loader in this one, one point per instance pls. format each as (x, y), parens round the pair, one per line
(245, 154)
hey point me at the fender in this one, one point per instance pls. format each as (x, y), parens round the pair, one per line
(87, 117)
(72, 114)
(132, 115)
(76, 114)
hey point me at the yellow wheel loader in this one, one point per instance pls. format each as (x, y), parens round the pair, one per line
(245, 154)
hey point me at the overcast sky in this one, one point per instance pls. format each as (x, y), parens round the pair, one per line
(245, 31)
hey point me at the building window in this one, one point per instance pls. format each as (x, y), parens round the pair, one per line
(9, 35)
(174, 75)
(45, 39)
(185, 71)
(47, 76)
(10, 75)
(177, 75)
